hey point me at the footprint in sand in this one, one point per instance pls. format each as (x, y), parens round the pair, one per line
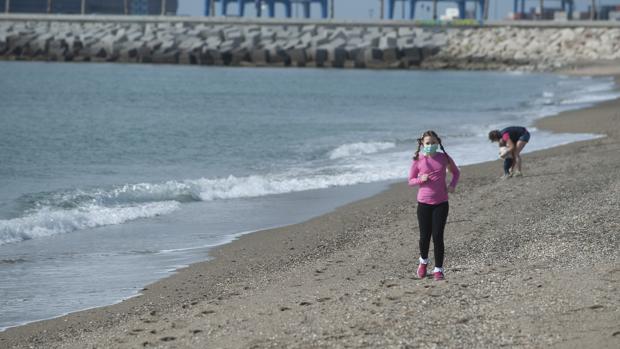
(167, 339)
(305, 304)
(195, 331)
(284, 308)
(324, 299)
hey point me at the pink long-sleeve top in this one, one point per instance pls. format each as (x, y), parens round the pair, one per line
(434, 191)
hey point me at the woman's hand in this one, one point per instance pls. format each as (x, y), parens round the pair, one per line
(423, 178)
(450, 189)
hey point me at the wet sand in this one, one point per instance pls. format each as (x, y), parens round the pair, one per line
(530, 262)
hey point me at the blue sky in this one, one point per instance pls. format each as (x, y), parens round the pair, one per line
(364, 9)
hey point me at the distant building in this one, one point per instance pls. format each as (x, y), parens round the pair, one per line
(134, 7)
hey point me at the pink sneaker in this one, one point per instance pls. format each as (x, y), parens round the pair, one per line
(422, 271)
(438, 276)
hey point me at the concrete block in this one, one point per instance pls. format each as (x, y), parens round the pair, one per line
(161, 56)
(372, 55)
(210, 56)
(239, 55)
(336, 43)
(17, 42)
(145, 54)
(267, 33)
(259, 56)
(298, 57)
(284, 34)
(390, 55)
(429, 51)
(3, 45)
(309, 29)
(411, 56)
(355, 57)
(406, 41)
(253, 38)
(405, 31)
(320, 39)
(233, 34)
(188, 58)
(278, 56)
(338, 57)
(168, 46)
(320, 57)
(213, 41)
(339, 34)
(41, 43)
(305, 40)
(373, 39)
(190, 44)
(57, 49)
(355, 33)
(386, 42)
(358, 42)
(128, 52)
(134, 36)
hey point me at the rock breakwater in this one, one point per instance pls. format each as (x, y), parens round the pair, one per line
(301, 44)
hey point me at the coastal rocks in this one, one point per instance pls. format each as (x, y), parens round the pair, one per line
(317, 45)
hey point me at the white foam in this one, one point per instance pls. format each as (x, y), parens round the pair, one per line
(590, 98)
(360, 148)
(47, 222)
(254, 186)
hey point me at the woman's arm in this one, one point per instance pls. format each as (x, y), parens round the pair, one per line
(456, 173)
(413, 175)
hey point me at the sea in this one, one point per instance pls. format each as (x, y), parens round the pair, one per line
(113, 176)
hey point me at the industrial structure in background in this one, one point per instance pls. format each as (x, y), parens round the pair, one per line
(109, 7)
(563, 10)
(326, 7)
(459, 12)
(558, 10)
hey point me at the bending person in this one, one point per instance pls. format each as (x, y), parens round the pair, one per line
(515, 137)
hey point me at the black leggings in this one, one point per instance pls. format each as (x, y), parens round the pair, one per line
(432, 221)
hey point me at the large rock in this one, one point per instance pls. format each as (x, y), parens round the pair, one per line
(320, 57)
(411, 56)
(298, 56)
(259, 56)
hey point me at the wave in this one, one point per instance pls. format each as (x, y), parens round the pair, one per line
(254, 186)
(48, 221)
(361, 148)
(592, 98)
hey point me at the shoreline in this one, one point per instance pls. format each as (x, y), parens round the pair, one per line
(256, 261)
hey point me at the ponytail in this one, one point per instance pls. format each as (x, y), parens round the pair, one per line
(441, 146)
(417, 152)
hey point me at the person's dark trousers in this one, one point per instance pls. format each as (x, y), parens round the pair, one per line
(507, 166)
(432, 221)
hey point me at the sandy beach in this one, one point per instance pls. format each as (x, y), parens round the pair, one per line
(531, 262)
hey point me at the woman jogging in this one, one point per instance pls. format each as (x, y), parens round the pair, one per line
(516, 137)
(429, 172)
